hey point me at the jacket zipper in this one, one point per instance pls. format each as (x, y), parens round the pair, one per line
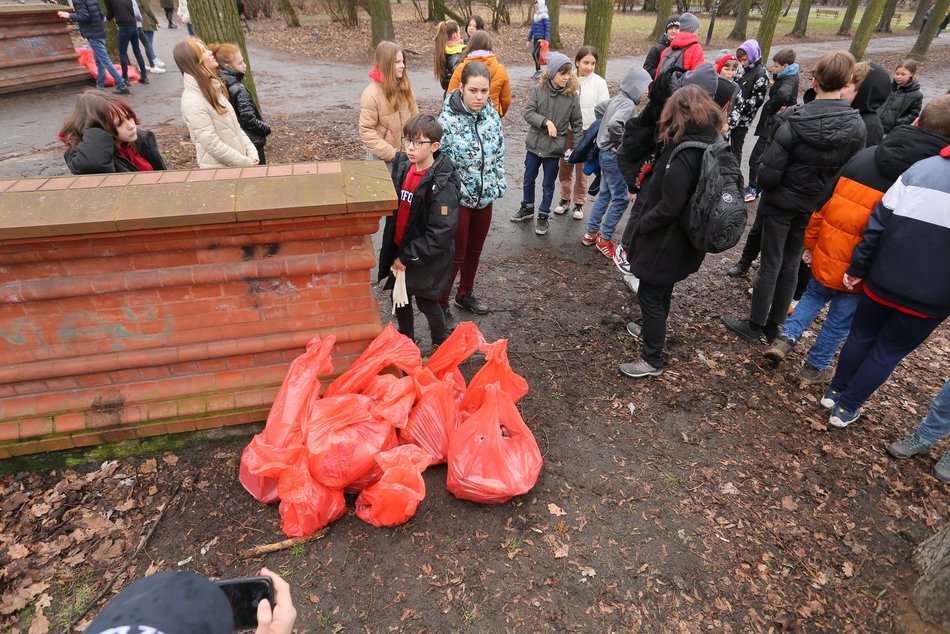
(481, 149)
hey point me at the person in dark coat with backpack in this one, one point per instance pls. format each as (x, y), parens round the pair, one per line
(652, 61)
(419, 238)
(662, 253)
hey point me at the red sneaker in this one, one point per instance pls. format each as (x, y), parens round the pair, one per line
(606, 247)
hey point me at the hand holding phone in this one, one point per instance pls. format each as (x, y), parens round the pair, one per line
(279, 619)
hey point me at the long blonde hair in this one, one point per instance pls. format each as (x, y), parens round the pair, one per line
(442, 37)
(187, 55)
(398, 91)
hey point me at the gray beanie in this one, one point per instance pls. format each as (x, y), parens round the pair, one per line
(689, 22)
(703, 76)
(556, 60)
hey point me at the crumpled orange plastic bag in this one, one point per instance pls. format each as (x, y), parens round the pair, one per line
(275, 448)
(306, 506)
(389, 348)
(459, 346)
(343, 437)
(394, 399)
(394, 499)
(493, 456)
(496, 370)
(434, 416)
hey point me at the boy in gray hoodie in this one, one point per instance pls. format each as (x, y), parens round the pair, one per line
(613, 200)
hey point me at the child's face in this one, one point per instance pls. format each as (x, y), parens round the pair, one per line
(238, 63)
(849, 91)
(420, 150)
(560, 79)
(727, 73)
(743, 58)
(778, 68)
(586, 66)
(207, 59)
(399, 66)
(475, 93)
(126, 131)
(902, 76)
(471, 28)
(672, 32)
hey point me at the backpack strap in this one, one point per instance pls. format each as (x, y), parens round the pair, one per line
(699, 145)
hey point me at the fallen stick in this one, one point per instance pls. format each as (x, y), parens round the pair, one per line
(263, 549)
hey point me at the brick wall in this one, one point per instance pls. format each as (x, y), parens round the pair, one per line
(133, 305)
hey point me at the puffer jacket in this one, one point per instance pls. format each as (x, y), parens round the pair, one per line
(428, 245)
(693, 54)
(499, 86)
(88, 15)
(218, 138)
(380, 124)
(96, 153)
(475, 142)
(782, 94)
(808, 148)
(562, 108)
(453, 56)
(753, 85)
(836, 228)
(617, 111)
(870, 97)
(652, 61)
(244, 107)
(903, 105)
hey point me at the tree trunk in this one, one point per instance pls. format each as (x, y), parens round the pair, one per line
(884, 25)
(770, 15)
(918, 20)
(663, 11)
(742, 21)
(788, 7)
(290, 14)
(801, 20)
(218, 21)
(381, 21)
(554, 15)
(852, 11)
(926, 37)
(650, 5)
(600, 15)
(112, 36)
(872, 13)
(932, 560)
(436, 10)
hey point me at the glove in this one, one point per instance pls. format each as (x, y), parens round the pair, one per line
(400, 296)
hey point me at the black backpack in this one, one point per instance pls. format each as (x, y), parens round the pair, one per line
(673, 63)
(717, 215)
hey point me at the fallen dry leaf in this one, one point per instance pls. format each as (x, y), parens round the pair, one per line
(170, 459)
(729, 489)
(847, 569)
(40, 624)
(789, 504)
(149, 466)
(556, 510)
(18, 551)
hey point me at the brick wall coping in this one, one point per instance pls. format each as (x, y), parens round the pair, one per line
(105, 203)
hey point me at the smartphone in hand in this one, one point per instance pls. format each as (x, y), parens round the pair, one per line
(244, 595)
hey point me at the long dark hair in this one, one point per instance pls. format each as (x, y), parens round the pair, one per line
(480, 41)
(95, 109)
(689, 110)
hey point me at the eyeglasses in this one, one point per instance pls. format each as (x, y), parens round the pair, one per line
(410, 143)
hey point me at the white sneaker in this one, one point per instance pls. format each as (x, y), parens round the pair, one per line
(155, 71)
(159, 63)
(632, 282)
(578, 213)
(562, 206)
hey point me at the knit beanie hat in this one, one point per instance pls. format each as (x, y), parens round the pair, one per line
(725, 91)
(673, 21)
(722, 61)
(689, 22)
(703, 76)
(556, 60)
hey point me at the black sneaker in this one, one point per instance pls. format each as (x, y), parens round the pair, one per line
(122, 91)
(541, 226)
(525, 212)
(739, 269)
(744, 328)
(472, 303)
(450, 323)
(143, 80)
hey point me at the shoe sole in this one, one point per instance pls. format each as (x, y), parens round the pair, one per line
(577, 216)
(905, 456)
(522, 218)
(773, 355)
(632, 333)
(640, 375)
(588, 243)
(840, 424)
(541, 232)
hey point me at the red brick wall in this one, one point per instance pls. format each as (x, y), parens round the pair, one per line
(137, 305)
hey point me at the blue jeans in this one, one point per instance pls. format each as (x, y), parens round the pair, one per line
(104, 64)
(191, 31)
(936, 424)
(130, 35)
(532, 165)
(612, 200)
(836, 326)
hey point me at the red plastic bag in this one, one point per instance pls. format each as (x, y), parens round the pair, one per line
(493, 456)
(543, 55)
(306, 506)
(394, 499)
(496, 370)
(88, 59)
(343, 437)
(434, 417)
(459, 346)
(389, 348)
(273, 450)
(394, 399)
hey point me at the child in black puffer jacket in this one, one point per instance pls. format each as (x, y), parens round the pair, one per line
(231, 69)
(904, 103)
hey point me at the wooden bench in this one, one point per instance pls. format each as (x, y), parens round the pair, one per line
(828, 13)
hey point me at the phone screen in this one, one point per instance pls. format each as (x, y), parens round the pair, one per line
(244, 595)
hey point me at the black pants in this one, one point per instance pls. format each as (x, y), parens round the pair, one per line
(737, 140)
(260, 153)
(536, 53)
(168, 16)
(433, 314)
(761, 143)
(654, 300)
(782, 239)
(804, 277)
(753, 242)
(631, 225)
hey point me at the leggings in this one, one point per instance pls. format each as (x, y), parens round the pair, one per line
(473, 225)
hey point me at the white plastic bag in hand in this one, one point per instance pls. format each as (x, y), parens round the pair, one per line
(400, 296)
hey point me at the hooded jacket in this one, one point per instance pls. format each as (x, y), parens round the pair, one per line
(782, 94)
(218, 138)
(903, 105)
(499, 85)
(475, 142)
(692, 50)
(807, 150)
(380, 124)
(753, 84)
(562, 108)
(594, 91)
(904, 254)
(652, 61)
(621, 107)
(88, 16)
(871, 95)
(244, 107)
(836, 228)
(540, 23)
(428, 244)
(96, 153)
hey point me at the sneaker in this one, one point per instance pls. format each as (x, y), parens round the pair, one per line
(578, 212)
(562, 206)
(632, 282)
(122, 91)
(155, 70)
(525, 212)
(739, 269)
(841, 417)
(143, 80)
(633, 329)
(450, 322)
(779, 349)
(942, 468)
(606, 247)
(159, 63)
(909, 445)
(811, 374)
(750, 194)
(829, 398)
(743, 328)
(590, 238)
(472, 303)
(537, 75)
(639, 369)
(541, 225)
(620, 259)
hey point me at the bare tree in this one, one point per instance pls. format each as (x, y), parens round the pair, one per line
(932, 560)
(801, 20)
(381, 18)
(927, 34)
(884, 25)
(849, 14)
(663, 11)
(554, 15)
(918, 20)
(767, 26)
(290, 14)
(872, 13)
(597, 27)
(742, 21)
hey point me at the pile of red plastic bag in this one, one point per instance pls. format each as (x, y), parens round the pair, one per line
(374, 433)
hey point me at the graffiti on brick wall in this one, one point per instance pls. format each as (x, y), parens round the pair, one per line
(88, 326)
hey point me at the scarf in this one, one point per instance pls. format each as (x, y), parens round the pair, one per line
(791, 70)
